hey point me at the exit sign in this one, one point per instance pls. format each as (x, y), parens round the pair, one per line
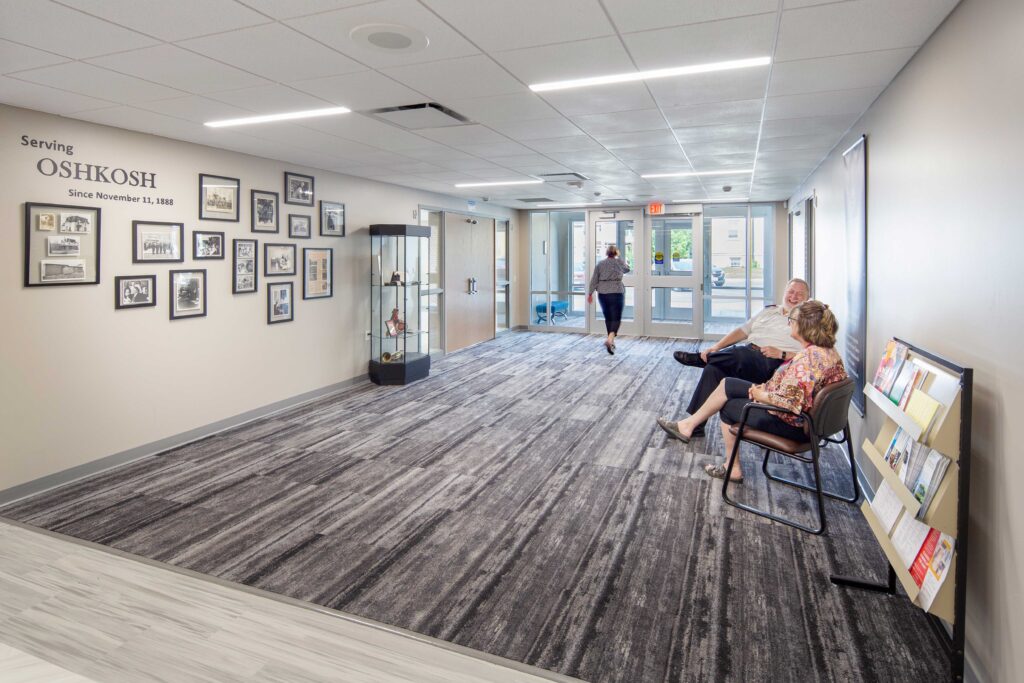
(655, 208)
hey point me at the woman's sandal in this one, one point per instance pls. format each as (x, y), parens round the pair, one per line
(719, 472)
(672, 430)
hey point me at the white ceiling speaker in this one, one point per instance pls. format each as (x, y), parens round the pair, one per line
(389, 38)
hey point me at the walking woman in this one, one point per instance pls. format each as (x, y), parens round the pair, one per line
(607, 282)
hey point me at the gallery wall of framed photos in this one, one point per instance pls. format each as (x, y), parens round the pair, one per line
(172, 354)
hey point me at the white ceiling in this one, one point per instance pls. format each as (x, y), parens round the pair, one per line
(164, 67)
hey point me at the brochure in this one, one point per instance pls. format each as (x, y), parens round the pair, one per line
(886, 506)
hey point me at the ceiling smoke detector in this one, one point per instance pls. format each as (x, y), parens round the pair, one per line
(392, 38)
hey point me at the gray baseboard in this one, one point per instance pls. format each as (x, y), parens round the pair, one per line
(88, 469)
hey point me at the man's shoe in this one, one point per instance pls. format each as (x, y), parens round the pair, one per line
(689, 358)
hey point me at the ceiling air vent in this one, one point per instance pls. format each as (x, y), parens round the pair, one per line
(419, 116)
(535, 200)
(563, 177)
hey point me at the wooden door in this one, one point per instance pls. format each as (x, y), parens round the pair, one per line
(468, 280)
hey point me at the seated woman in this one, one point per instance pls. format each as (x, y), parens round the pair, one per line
(792, 388)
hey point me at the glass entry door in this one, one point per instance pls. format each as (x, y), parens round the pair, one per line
(558, 270)
(622, 231)
(675, 285)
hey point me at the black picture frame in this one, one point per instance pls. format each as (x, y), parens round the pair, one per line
(285, 299)
(219, 197)
(265, 211)
(129, 293)
(207, 245)
(158, 242)
(299, 189)
(314, 266)
(277, 258)
(244, 266)
(78, 261)
(329, 214)
(185, 300)
(298, 218)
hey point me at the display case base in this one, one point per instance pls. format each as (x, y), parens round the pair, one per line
(416, 366)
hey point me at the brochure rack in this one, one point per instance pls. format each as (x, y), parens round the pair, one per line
(950, 434)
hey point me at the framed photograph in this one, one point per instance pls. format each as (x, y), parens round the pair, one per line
(280, 302)
(300, 226)
(298, 189)
(278, 259)
(188, 294)
(207, 245)
(218, 198)
(332, 219)
(243, 277)
(317, 273)
(264, 211)
(62, 245)
(134, 291)
(158, 242)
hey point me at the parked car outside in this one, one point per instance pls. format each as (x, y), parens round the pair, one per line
(686, 265)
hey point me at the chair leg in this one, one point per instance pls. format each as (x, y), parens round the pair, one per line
(807, 487)
(763, 513)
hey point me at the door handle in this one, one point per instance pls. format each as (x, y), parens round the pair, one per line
(469, 285)
(475, 290)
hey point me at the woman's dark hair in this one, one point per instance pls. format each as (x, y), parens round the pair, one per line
(816, 323)
(612, 251)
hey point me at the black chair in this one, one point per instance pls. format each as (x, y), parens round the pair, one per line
(827, 417)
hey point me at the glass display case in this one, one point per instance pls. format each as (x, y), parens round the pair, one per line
(399, 319)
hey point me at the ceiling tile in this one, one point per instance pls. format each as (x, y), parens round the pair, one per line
(369, 131)
(630, 15)
(642, 139)
(631, 155)
(745, 132)
(846, 72)
(333, 29)
(14, 57)
(267, 99)
(858, 26)
(821, 103)
(195, 108)
(93, 81)
(573, 144)
(622, 122)
(274, 51)
(520, 106)
(716, 41)
(836, 125)
(723, 86)
(362, 90)
(172, 20)
(601, 99)
(745, 159)
(495, 149)
(45, 98)
(52, 27)
(582, 59)
(454, 79)
(176, 68)
(463, 135)
(798, 142)
(804, 156)
(739, 111)
(537, 129)
(524, 23)
(298, 8)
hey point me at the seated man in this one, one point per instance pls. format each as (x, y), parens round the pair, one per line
(768, 346)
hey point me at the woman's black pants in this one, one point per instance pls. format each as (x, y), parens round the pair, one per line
(611, 307)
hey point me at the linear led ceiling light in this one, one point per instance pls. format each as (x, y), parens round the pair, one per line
(736, 200)
(566, 206)
(308, 114)
(691, 174)
(501, 182)
(656, 73)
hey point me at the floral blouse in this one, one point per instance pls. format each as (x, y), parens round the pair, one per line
(794, 385)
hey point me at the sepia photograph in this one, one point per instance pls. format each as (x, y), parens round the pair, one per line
(64, 245)
(75, 222)
(317, 269)
(207, 245)
(218, 198)
(264, 211)
(299, 226)
(332, 219)
(47, 221)
(158, 242)
(188, 294)
(134, 291)
(278, 259)
(244, 271)
(279, 303)
(62, 271)
(298, 189)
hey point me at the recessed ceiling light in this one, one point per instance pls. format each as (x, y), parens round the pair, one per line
(502, 182)
(308, 114)
(648, 75)
(691, 174)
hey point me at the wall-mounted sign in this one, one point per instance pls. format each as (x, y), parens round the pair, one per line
(655, 208)
(659, 258)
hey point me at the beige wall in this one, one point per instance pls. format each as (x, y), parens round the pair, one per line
(944, 246)
(80, 381)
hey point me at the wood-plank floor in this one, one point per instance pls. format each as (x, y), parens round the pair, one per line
(521, 501)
